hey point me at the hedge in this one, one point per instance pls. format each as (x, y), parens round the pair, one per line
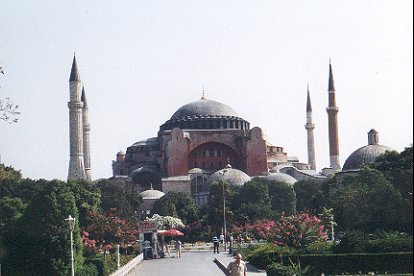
(345, 263)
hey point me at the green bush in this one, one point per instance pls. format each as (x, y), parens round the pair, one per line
(263, 255)
(320, 248)
(358, 242)
(99, 264)
(276, 269)
(88, 270)
(336, 264)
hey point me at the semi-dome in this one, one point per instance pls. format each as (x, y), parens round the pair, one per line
(281, 177)
(232, 176)
(203, 107)
(366, 154)
(151, 194)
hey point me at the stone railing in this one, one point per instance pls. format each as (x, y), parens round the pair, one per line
(126, 269)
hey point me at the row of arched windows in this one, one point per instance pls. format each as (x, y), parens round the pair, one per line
(208, 123)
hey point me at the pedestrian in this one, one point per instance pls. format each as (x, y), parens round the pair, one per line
(216, 244)
(237, 267)
(221, 238)
(231, 240)
(178, 248)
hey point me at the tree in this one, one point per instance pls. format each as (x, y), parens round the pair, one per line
(296, 231)
(116, 194)
(38, 242)
(215, 214)
(177, 204)
(105, 230)
(9, 173)
(310, 196)
(283, 197)
(252, 202)
(368, 201)
(8, 110)
(398, 168)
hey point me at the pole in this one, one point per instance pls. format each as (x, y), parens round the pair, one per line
(332, 226)
(224, 219)
(71, 251)
(119, 261)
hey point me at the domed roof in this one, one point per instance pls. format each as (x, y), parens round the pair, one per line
(232, 176)
(151, 194)
(281, 177)
(203, 107)
(366, 154)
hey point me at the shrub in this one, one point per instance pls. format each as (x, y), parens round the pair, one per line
(88, 270)
(276, 269)
(358, 242)
(100, 265)
(320, 248)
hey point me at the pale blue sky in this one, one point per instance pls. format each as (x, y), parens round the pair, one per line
(141, 60)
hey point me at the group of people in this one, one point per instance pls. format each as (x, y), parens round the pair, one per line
(221, 240)
(147, 248)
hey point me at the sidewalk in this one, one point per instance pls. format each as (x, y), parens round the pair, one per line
(223, 259)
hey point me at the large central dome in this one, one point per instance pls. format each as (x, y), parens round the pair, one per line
(203, 107)
(205, 114)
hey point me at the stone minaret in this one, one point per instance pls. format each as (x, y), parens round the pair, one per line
(332, 110)
(86, 135)
(76, 162)
(310, 127)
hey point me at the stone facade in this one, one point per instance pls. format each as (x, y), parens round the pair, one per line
(204, 134)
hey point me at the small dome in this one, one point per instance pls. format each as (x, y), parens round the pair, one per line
(366, 154)
(203, 108)
(232, 176)
(151, 194)
(281, 177)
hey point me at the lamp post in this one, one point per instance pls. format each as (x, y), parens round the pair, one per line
(71, 221)
(224, 211)
(332, 228)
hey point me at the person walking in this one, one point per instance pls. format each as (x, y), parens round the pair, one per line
(237, 267)
(178, 248)
(216, 244)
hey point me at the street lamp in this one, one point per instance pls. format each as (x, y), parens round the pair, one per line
(224, 210)
(71, 228)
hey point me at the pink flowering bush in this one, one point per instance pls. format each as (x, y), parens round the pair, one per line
(296, 231)
(106, 230)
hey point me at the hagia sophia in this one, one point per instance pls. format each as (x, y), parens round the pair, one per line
(206, 141)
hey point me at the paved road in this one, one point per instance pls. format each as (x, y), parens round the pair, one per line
(190, 264)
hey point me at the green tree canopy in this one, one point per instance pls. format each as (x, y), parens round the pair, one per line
(38, 242)
(283, 197)
(177, 204)
(367, 201)
(117, 194)
(252, 202)
(310, 195)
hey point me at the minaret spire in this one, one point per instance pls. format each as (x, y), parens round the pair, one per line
(310, 136)
(332, 110)
(74, 72)
(76, 161)
(86, 137)
(331, 85)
